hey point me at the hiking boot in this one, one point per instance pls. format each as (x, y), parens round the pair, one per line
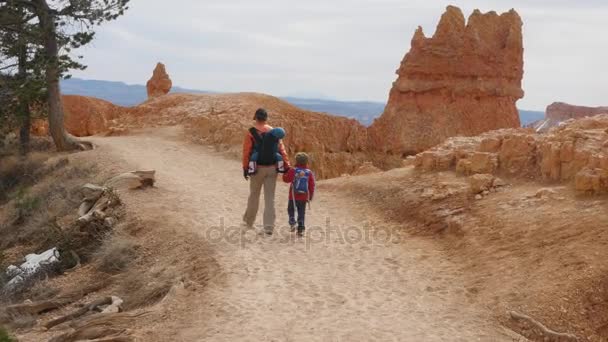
(301, 231)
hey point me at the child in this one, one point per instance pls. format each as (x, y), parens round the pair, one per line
(271, 139)
(301, 191)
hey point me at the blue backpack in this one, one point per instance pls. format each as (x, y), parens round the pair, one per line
(300, 181)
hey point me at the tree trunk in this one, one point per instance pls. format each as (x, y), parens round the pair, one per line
(63, 141)
(24, 132)
(24, 105)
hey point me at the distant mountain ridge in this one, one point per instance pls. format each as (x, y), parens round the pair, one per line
(124, 94)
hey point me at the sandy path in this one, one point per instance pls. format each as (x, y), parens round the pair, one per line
(335, 285)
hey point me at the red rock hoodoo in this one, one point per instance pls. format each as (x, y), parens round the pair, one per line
(160, 83)
(464, 80)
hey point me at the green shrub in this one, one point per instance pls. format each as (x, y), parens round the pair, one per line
(5, 337)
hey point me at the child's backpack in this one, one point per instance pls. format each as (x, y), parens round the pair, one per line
(300, 181)
(266, 146)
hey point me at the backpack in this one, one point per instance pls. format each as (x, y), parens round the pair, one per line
(266, 145)
(300, 181)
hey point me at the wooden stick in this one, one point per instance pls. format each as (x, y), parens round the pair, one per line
(80, 312)
(548, 334)
(57, 302)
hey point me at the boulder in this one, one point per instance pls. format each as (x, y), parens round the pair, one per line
(480, 183)
(591, 181)
(483, 162)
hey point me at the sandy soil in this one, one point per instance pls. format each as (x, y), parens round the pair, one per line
(353, 278)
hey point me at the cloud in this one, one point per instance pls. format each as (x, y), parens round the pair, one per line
(343, 48)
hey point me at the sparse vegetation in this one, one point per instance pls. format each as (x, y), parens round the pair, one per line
(40, 207)
(116, 253)
(18, 173)
(5, 337)
(140, 290)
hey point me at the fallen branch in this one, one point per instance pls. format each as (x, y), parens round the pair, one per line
(106, 328)
(122, 338)
(55, 303)
(132, 180)
(545, 333)
(80, 312)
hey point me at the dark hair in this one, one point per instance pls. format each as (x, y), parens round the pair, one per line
(261, 115)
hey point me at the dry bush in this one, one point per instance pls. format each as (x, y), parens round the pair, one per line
(144, 289)
(22, 321)
(116, 253)
(18, 171)
(42, 291)
(32, 217)
(42, 215)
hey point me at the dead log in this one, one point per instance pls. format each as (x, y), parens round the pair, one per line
(85, 207)
(544, 333)
(80, 312)
(98, 210)
(58, 302)
(122, 338)
(92, 192)
(132, 180)
(91, 333)
(106, 327)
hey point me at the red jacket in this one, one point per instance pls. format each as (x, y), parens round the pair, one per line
(290, 176)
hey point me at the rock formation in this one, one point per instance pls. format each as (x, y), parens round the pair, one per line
(83, 116)
(160, 83)
(86, 116)
(337, 145)
(573, 152)
(560, 111)
(464, 80)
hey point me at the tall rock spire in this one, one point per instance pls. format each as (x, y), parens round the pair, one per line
(464, 80)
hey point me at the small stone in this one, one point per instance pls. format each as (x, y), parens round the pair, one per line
(545, 192)
(498, 182)
(478, 197)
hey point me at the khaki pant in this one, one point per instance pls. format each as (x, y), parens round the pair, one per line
(266, 177)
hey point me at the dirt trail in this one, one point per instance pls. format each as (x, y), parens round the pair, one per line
(334, 285)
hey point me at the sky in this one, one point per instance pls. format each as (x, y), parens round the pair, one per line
(340, 49)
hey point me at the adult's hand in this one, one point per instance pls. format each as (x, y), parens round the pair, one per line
(246, 174)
